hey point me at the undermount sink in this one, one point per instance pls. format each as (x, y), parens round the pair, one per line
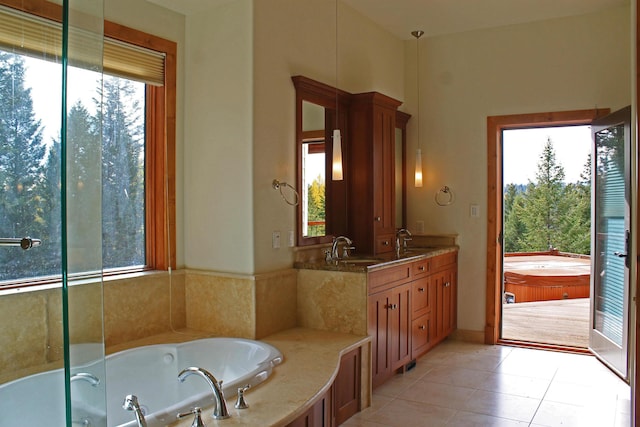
(360, 261)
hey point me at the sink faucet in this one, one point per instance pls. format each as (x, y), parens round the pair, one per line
(404, 235)
(220, 412)
(345, 249)
(131, 404)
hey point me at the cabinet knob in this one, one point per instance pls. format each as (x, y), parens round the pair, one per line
(392, 306)
(420, 289)
(447, 284)
(378, 218)
(385, 243)
(421, 268)
(422, 327)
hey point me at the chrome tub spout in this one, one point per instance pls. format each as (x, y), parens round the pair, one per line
(220, 412)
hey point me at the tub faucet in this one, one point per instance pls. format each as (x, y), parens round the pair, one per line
(345, 249)
(403, 235)
(85, 376)
(131, 404)
(220, 412)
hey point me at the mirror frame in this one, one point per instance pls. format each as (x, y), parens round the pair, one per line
(336, 191)
(402, 119)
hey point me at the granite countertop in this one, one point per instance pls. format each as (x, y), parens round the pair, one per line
(311, 362)
(367, 264)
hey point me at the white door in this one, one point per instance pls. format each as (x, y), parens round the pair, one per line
(608, 338)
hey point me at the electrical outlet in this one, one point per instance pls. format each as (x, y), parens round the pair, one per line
(275, 240)
(292, 240)
(474, 211)
(419, 227)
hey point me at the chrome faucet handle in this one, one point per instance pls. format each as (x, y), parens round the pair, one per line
(241, 403)
(197, 419)
(346, 251)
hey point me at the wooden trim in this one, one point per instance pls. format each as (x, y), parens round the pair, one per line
(495, 126)
(541, 346)
(402, 119)
(160, 149)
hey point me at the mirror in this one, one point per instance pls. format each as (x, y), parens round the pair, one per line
(322, 209)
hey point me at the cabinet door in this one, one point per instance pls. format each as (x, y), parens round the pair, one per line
(384, 177)
(444, 303)
(380, 338)
(319, 415)
(422, 332)
(400, 326)
(347, 386)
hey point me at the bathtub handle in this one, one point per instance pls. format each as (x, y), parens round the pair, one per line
(241, 403)
(25, 242)
(197, 419)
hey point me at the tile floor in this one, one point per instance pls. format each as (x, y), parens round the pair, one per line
(461, 384)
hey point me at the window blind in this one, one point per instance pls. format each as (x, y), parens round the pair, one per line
(31, 35)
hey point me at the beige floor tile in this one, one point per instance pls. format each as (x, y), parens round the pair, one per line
(554, 414)
(517, 385)
(404, 413)
(471, 419)
(463, 377)
(502, 405)
(444, 395)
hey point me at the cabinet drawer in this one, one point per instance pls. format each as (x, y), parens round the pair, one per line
(421, 335)
(441, 261)
(420, 297)
(385, 243)
(388, 277)
(422, 267)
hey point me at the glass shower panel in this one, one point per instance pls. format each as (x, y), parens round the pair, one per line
(82, 212)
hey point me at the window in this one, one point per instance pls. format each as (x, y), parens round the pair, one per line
(138, 146)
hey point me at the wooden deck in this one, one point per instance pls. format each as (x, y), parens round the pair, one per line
(560, 322)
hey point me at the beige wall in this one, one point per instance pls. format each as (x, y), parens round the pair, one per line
(562, 64)
(295, 37)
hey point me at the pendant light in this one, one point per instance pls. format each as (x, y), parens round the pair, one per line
(418, 172)
(336, 170)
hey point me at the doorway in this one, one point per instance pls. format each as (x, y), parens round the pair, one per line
(495, 203)
(546, 175)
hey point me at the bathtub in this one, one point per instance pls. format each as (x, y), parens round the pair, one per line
(150, 373)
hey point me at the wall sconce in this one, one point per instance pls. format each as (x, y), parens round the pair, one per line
(418, 168)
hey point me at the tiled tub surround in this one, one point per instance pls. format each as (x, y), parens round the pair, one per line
(155, 302)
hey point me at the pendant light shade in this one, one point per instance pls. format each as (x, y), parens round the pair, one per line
(336, 173)
(418, 173)
(336, 169)
(418, 168)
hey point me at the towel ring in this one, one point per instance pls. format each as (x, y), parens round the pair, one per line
(277, 185)
(444, 196)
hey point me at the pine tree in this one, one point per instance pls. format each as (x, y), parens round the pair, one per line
(316, 205)
(514, 228)
(122, 175)
(543, 209)
(22, 154)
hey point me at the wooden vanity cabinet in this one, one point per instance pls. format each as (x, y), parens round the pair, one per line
(319, 415)
(389, 324)
(411, 307)
(371, 172)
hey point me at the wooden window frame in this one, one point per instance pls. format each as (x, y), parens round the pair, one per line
(160, 140)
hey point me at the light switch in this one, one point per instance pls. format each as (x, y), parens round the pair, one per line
(474, 211)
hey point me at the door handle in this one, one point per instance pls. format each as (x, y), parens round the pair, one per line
(620, 254)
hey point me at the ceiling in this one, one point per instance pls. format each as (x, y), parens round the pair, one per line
(436, 17)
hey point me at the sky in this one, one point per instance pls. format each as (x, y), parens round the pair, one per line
(522, 149)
